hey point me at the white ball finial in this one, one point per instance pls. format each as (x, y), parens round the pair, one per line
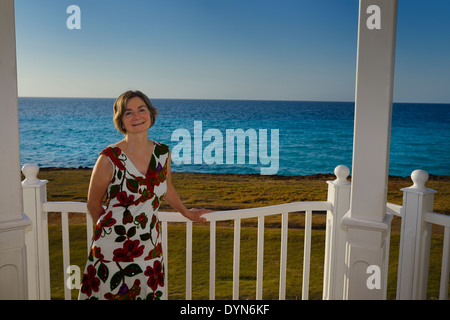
(30, 171)
(419, 178)
(341, 172)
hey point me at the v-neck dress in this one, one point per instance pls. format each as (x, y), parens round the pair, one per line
(125, 260)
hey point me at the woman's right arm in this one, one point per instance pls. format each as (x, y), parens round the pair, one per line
(100, 179)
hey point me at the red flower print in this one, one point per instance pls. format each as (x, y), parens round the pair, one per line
(155, 275)
(161, 173)
(142, 219)
(158, 226)
(124, 199)
(90, 281)
(141, 182)
(155, 252)
(155, 203)
(154, 295)
(155, 223)
(124, 293)
(146, 194)
(127, 217)
(106, 221)
(130, 250)
(97, 253)
(113, 154)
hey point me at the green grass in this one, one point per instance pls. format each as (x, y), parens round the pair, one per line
(224, 262)
(78, 256)
(228, 191)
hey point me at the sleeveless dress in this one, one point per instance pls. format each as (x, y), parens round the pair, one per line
(125, 260)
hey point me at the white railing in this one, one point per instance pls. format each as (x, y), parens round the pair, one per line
(65, 208)
(36, 189)
(436, 219)
(442, 220)
(236, 216)
(416, 213)
(417, 220)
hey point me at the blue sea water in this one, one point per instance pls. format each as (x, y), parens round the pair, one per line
(314, 137)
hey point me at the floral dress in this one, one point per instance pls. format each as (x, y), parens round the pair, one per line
(125, 259)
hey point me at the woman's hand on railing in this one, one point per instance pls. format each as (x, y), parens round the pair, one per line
(195, 214)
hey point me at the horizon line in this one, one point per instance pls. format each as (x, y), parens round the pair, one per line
(229, 99)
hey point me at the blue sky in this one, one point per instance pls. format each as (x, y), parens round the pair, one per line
(217, 49)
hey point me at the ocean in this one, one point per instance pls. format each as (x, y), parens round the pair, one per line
(233, 136)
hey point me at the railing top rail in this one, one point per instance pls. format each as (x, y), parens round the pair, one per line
(438, 218)
(80, 207)
(65, 206)
(394, 209)
(251, 212)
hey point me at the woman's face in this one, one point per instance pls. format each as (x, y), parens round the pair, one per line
(137, 117)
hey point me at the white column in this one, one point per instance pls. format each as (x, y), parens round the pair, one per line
(13, 271)
(336, 234)
(415, 239)
(367, 222)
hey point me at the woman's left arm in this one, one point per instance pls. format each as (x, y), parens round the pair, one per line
(174, 200)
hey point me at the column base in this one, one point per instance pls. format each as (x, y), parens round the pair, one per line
(366, 258)
(13, 266)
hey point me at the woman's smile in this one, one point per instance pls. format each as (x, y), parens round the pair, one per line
(138, 124)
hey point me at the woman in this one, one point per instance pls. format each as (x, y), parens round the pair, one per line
(125, 260)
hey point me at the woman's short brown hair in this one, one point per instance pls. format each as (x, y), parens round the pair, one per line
(120, 106)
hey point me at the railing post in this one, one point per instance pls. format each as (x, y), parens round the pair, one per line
(36, 235)
(336, 234)
(415, 239)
